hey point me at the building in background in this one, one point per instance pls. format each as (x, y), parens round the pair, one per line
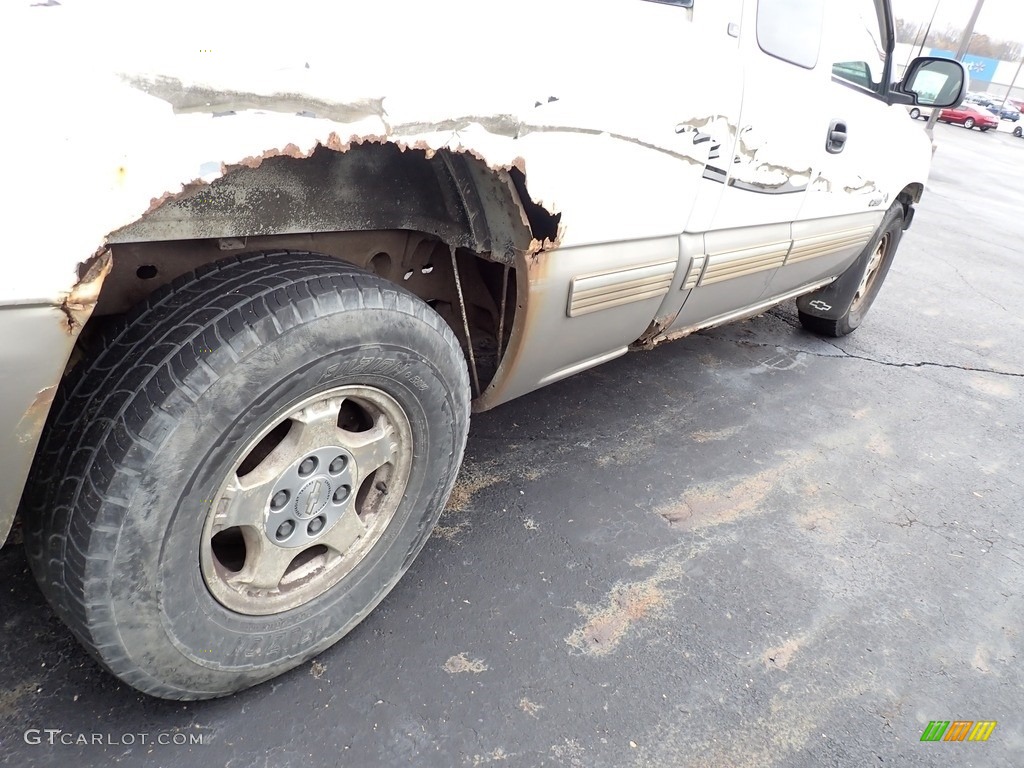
(991, 76)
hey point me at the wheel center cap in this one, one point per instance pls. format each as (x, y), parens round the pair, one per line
(312, 498)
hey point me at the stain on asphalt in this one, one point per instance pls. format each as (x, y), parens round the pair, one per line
(781, 655)
(460, 663)
(714, 504)
(705, 436)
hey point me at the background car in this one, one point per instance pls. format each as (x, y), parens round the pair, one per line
(969, 116)
(1007, 113)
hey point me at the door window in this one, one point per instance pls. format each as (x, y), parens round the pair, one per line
(791, 30)
(860, 55)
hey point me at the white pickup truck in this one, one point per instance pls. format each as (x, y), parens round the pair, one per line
(263, 268)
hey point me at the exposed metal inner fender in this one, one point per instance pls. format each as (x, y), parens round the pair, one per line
(367, 186)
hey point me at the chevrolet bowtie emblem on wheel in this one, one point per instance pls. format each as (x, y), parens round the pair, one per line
(312, 496)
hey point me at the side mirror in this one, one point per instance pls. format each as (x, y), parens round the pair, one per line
(935, 82)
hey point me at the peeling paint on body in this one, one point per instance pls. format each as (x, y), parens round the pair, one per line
(189, 99)
(864, 188)
(461, 135)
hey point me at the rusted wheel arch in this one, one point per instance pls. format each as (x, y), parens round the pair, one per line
(392, 210)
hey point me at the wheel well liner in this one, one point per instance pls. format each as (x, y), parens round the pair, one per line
(453, 196)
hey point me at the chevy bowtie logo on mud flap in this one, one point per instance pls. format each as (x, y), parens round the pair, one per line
(820, 305)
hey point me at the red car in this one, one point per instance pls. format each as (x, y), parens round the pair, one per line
(969, 116)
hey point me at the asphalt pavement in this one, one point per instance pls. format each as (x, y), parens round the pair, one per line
(751, 547)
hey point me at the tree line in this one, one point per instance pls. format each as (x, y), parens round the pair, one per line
(949, 39)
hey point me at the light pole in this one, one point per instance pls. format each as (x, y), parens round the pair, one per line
(928, 29)
(923, 40)
(1012, 83)
(965, 41)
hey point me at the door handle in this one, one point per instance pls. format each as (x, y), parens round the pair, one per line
(836, 137)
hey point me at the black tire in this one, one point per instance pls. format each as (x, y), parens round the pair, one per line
(1018, 131)
(969, 123)
(915, 113)
(983, 128)
(840, 308)
(142, 433)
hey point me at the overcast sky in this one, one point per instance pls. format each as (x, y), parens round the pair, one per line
(1001, 19)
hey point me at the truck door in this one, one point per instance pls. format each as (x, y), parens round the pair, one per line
(857, 144)
(703, 104)
(762, 184)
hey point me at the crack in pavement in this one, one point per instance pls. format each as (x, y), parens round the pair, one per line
(890, 364)
(923, 364)
(971, 285)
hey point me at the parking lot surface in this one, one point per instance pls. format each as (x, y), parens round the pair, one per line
(751, 547)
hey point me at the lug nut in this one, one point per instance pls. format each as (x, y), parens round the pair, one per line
(285, 530)
(315, 526)
(341, 494)
(279, 500)
(307, 466)
(337, 465)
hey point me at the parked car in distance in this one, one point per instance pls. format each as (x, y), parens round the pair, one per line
(1007, 113)
(969, 116)
(1011, 110)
